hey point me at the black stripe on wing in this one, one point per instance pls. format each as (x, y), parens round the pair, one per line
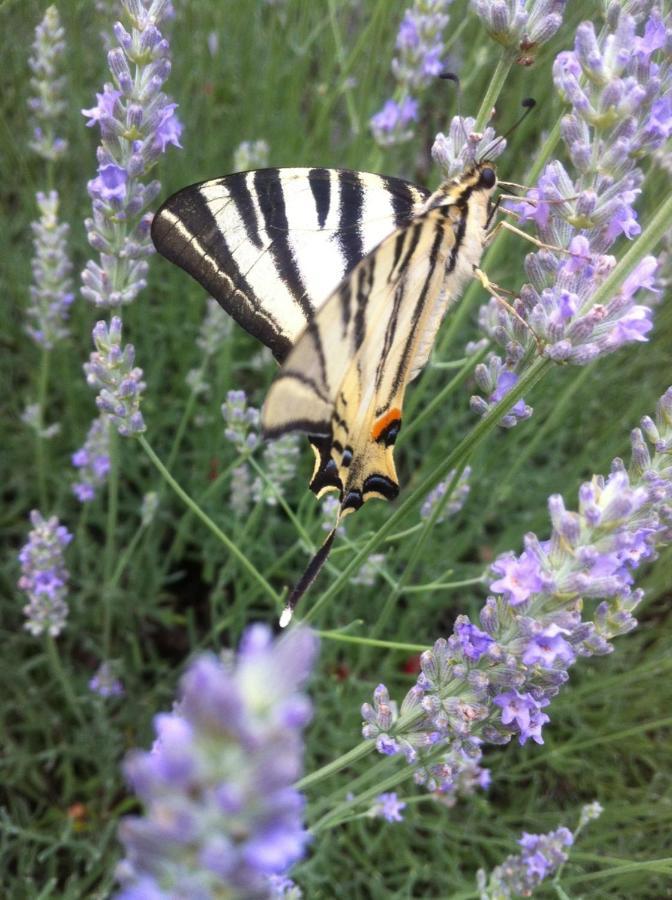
(185, 230)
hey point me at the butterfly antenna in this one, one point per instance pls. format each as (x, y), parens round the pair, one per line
(308, 577)
(528, 105)
(451, 76)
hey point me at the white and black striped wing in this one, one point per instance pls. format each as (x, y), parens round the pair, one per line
(271, 245)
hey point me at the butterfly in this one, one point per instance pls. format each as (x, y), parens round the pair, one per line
(345, 276)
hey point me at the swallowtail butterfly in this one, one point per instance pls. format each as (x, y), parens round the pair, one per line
(345, 276)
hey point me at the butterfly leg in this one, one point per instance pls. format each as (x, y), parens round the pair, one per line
(494, 291)
(507, 226)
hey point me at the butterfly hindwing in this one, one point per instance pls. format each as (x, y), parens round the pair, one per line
(272, 244)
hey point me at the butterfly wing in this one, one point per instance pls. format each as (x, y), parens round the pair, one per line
(271, 245)
(345, 378)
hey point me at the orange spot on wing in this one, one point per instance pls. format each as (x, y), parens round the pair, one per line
(392, 415)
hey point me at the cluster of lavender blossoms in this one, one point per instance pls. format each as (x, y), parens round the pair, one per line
(242, 421)
(280, 461)
(92, 460)
(458, 496)
(137, 123)
(618, 85)
(44, 576)
(492, 681)
(221, 815)
(51, 292)
(105, 683)
(542, 855)
(48, 104)
(215, 329)
(520, 26)
(420, 50)
(119, 383)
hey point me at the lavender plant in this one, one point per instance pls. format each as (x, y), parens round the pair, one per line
(44, 576)
(119, 383)
(618, 85)
(221, 815)
(137, 123)
(92, 460)
(51, 293)
(48, 104)
(420, 51)
(491, 683)
(542, 855)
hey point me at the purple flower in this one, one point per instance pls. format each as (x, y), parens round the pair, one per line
(488, 684)
(280, 460)
(92, 460)
(104, 683)
(242, 421)
(541, 856)
(389, 807)
(137, 123)
(521, 26)
(457, 499)
(44, 577)
(119, 383)
(524, 713)
(390, 125)
(463, 146)
(520, 577)
(48, 104)
(473, 641)
(51, 291)
(620, 92)
(418, 62)
(547, 646)
(496, 382)
(221, 815)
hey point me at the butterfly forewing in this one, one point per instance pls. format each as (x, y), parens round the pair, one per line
(272, 244)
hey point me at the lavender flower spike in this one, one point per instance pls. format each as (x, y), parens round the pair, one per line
(520, 875)
(221, 817)
(48, 104)
(44, 576)
(618, 85)
(519, 26)
(542, 856)
(51, 291)
(493, 681)
(110, 370)
(420, 50)
(93, 460)
(137, 123)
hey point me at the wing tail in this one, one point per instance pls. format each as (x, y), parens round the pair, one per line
(312, 571)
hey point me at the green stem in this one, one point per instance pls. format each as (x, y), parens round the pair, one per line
(342, 65)
(109, 553)
(409, 568)
(371, 642)
(442, 586)
(460, 454)
(179, 434)
(249, 567)
(42, 387)
(62, 678)
(125, 557)
(499, 76)
(347, 759)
